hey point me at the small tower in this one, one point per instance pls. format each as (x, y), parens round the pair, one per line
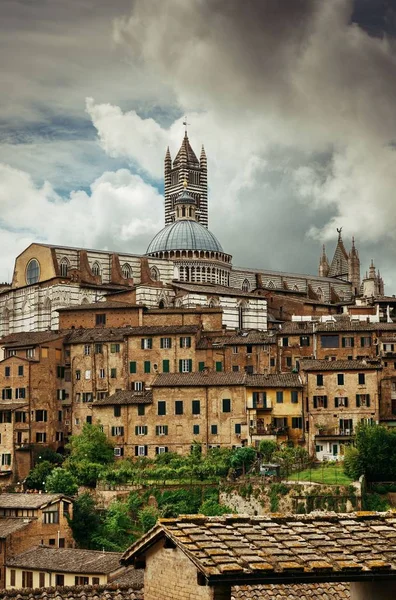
(373, 284)
(324, 264)
(354, 269)
(339, 264)
(187, 167)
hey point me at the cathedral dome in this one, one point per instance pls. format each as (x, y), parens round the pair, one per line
(185, 234)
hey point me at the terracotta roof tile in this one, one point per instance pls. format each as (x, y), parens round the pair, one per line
(117, 334)
(126, 397)
(24, 500)
(8, 526)
(198, 379)
(298, 591)
(323, 544)
(101, 592)
(276, 380)
(29, 338)
(68, 560)
(338, 365)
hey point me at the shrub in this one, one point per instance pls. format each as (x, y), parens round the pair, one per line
(352, 467)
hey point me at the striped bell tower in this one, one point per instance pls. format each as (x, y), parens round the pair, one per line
(187, 167)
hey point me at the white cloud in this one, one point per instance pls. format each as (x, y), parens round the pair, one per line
(122, 212)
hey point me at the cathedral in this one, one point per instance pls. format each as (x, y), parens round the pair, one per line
(184, 266)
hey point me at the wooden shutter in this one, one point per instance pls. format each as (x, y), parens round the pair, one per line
(324, 401)
(190, 365)
(358, 400)
(165, 366)
(132, 366)
(368, 400)
(315, 402)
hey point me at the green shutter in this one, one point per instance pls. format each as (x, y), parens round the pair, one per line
(157, 430)
(180, 366)
(166, 430)
(165, 366)
(147, 366)
(190, 365)
(132, 366)
(201, 366)
(219, 366)
(136, 430)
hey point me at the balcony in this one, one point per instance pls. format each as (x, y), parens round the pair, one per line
(269, 430)
(334, 432)
(259, 404)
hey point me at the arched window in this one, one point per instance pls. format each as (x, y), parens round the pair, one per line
(154, 274)
(319, 293)
(161, 304)
(64, 267)
(85, 301)
(241, 314)
(32, 272)
(96, 269)
(126, 271)
(245, 286)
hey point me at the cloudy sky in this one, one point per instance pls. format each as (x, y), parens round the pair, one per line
(294, 101)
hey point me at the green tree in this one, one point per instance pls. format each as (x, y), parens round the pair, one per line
(267, 449)
(116, 531)
(243, 458)
(86, 522)
(212, 508)
(47, 454)
(148, 517)
(38, 475)
(61, 481)
(90, 453)
(376, 446)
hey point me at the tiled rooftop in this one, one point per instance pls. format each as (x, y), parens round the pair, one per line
(12, 405)
(126, 397)
(23, 500)
(338, 365)
(285, 380)
(101, 592)
(250, 337)
(67, 560)
(29, 338)
(117, 334)
(8, 526)
(198, 379)
(100, 306)
(298, 591)
(281, 548)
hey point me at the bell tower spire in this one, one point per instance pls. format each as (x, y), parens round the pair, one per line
(186, 166)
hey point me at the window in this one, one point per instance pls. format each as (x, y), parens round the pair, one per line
(11, 352)
(260, 400)
(235, 368)
(185, 342)
(362, 400)
(141, 451)
(320, 401)
(126, 271)
(165, 366)
(59, 436)
(318, 448)
(319, 380)
(294, 396)
(102, 374)
(340, 401)
(114, 348)
(185, 365)
(178, 407)
(279, 397)
(113, 373)
(78, 375)
(64, 268)
(329, 341)
(6, 394)
(272, 362)
(51, 516)
(213, 429)
(32, 276)
(346, 426)
(87, 396)
(41, 579)
(118, 451)
(201, 366)
(117, 411)
(138, 386)
(96, 580)
(304, 340)
(59, 579)
(195, 429)
(219, 366)
(101, 395)
(161, 430)
(98, 348)
(30, 353)
(88, 374)
(238, 428)
(132, 366)
(141, 429)
(166, 342)
(61, 394)
(60, 416)
(6, 459)
(235, 349)
(147, 366)
(249, 349)
(5, 416)
(100, 319)
(226, 405)
(7, 371)
(146, 343)
(41, 437)
(12, 577)
(296, 422)
(81, 580)
(41, 415)
(365, 342)
(20, 393)
(141, 410)
(27, 579)
(361, 378)
(161, 408)
(196, 407)
(161, 449)
(20, 371)
(340, 379)
(288, 361)
(117, 430)
(347, 342)
(285, 341)
(20, 417)
(87, 349)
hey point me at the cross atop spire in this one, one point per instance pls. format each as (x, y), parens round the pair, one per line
(185, 125)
